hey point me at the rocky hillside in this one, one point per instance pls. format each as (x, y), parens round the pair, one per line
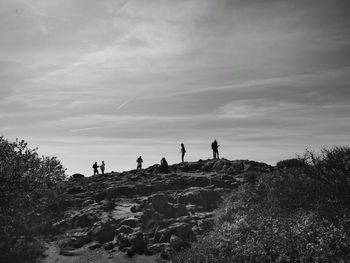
(143, 212)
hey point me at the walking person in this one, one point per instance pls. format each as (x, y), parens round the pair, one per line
(139, 163)
(214, 147)
(183, 151)
(95, 167)
(102, 167)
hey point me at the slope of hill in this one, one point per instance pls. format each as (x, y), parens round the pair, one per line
(143, 215)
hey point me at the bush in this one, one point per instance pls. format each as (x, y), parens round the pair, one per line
(297, 213)
(29, 197)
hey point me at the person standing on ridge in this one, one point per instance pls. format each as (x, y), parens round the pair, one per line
(139, 163)
(95, 167)
(214, 147)
(102, 167)
(183, 151)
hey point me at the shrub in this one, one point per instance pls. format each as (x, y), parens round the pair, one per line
(29, 196)
(297, 213)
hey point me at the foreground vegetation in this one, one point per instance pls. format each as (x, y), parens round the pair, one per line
(298, 213)
(29, 199)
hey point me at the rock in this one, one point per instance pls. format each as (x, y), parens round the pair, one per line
(123, 240)
(108, 205)
(130, 222)
(198, 196)
(198, 181)
(180, 210)
(135, 208)
(159, 201)
(144, 189)
(182, 230)
(94, 245)
(124, 230)
(115, 191)
(76, 190)
(155, 249)
(138, 243)
(78, 240)
(68, 253)
(84, 219)
(77, 176)
(178, 244)
(109, 245)
(102, 232)
(87, 203)
(60, 226)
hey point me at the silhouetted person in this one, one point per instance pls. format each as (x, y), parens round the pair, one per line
(139, 163)
(183, 151)
(214, 147)
(164, 168)
(95, 167)
(102, 167)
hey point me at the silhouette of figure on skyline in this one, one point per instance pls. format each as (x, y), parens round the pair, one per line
(95, 167)
(183, 151)
(139, 163)
(102, 167)
(214, 147)
(164, 168)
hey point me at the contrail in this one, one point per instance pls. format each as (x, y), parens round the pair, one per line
(86, 129)
(124, 103)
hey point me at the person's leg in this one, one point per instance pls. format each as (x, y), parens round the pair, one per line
(182, 156)
(217, 154)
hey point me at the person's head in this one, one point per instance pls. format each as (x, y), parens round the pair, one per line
(182, 145)
(215, 140)
(95, 162)
(103, 161)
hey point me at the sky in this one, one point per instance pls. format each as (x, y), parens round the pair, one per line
(111, 80)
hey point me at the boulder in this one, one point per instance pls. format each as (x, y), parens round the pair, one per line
(84, 219)
(138, 242)
(94, 245)
(124, 230)
(160, 202)
(77, 240)
(102, 232)
(198, 196)
(123, 240)
(198, 181)
(182, 230)
(77, 176)
(130, 222)
(155, 248)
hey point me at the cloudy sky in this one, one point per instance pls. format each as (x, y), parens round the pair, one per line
(88, 80)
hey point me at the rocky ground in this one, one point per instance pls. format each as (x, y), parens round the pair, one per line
(143, 215)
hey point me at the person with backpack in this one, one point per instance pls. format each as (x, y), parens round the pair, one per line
(95, 167)
(164, 167)
(183, 151)
(214, 147)
(102, 167)
(139, 163)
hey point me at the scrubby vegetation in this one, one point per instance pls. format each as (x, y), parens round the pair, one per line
(29, 196)
(298, 213)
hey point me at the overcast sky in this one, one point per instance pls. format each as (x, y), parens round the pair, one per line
(88, 80)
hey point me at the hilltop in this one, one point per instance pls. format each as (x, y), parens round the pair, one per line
(143, 215)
